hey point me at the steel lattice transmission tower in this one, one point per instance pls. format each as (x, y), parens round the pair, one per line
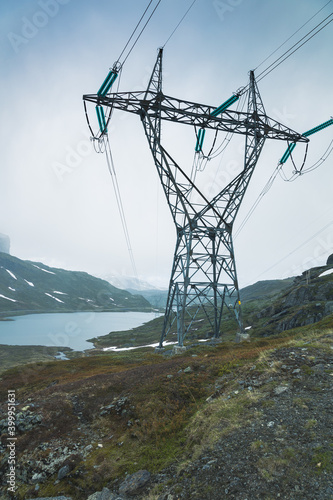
(203, 275)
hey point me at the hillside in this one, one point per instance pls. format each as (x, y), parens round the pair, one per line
(27, 287)
(264, 289)
(257, 291)
(237, 421)
(306, 301)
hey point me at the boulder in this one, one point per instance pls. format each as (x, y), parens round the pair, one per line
(63, 472)
(134, 483)
(105, 494)
(51, 498)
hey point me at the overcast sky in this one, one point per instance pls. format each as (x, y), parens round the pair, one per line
(56, 197)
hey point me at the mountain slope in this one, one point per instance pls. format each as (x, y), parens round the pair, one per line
(306, 301)
(34, 287)
(264, 289)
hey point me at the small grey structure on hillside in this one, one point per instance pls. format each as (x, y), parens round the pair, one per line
(330, 260)
(4, 243)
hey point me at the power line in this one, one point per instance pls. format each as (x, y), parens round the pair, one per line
(182, 19)
(279, 170)
(321, 160)
(136, 27)
(139, 35)
(299, 29)
(113, 175)
(295, 249)
(287, 53)
(103, 140)
(264, 73)
(264, 191)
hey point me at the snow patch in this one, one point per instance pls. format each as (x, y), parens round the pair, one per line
(60, 293)
(12, 275)
(61, 356)
(29, 283)
(12, 289)
(326, 273)
(118, 349)
(45, 271)
(7, 298)
(55, 298)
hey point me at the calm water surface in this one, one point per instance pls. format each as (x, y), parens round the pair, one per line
(67, 329)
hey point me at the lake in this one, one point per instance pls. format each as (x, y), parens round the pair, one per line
(68, 329)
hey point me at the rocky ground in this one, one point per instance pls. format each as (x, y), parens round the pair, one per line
(285, 450)
(264, 432)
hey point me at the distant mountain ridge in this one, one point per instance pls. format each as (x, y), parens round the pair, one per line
(157, 297)
(27, 287)
(128, 282)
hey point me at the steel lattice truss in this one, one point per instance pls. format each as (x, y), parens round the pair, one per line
(203, 275)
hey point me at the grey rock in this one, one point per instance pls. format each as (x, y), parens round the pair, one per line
(134, 483)
(105, 494)
(328, 307)
(166, 496)
(38, 477)
(319, 368)
(94, 496)
(241, 337)
(188, 370)
(27, 421)
(280, 389)
(63, 472)
(52, 498)
(115, 406)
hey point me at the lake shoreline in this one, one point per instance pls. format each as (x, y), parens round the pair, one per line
(76, 331)
(7, 315)
(20, 355)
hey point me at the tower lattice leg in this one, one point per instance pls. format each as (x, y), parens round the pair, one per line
(203, 277)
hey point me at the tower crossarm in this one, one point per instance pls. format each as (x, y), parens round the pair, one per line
(199, 115)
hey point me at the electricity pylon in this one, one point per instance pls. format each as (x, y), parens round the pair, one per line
(203, 275)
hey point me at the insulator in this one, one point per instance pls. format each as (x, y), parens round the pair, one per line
(106, 85)
(200, 139)
(101, 119)
(318, 128)
(225, 105)
(288, 152)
